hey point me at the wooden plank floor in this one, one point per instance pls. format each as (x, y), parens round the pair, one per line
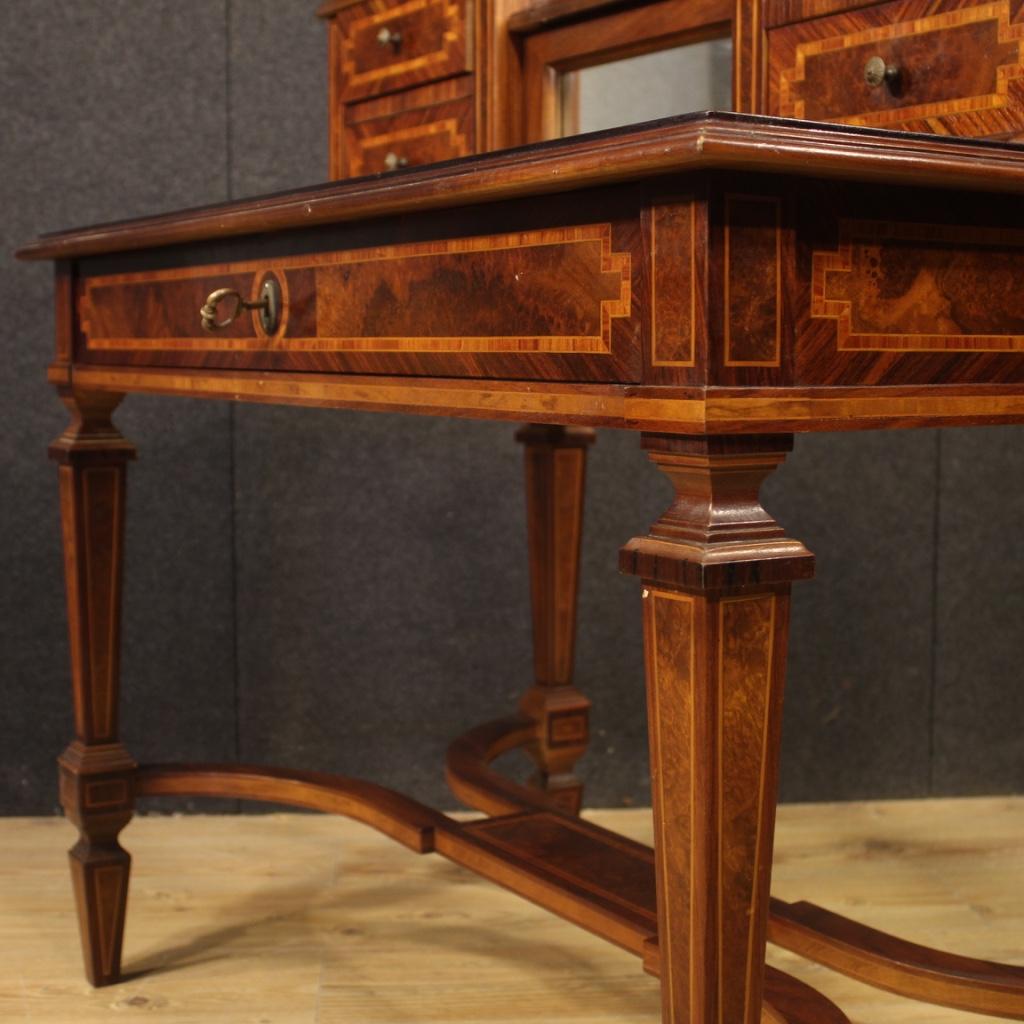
(299, 918)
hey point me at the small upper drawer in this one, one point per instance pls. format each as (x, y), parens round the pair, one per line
(957, 71)
(382, 45)
(408, 138)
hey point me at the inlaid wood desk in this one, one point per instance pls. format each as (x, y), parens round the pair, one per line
(715, 282)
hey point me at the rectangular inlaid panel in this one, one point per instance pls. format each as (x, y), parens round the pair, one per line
(552, 290)
(753, 280)
(903, 287)
(431, 43)
(746, 636)
(713, 716)
(617, 870)
(674, 300)
(960, 68)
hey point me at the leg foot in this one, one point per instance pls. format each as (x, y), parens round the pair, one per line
(99, 874)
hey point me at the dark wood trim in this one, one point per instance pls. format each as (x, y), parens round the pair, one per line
(545, 14)
(469, 774)
(906, 968)
(394, 815)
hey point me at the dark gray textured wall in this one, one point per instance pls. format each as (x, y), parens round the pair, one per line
(346, 591)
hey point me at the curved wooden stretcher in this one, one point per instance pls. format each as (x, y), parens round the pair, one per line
(866, 954)
(505, 849)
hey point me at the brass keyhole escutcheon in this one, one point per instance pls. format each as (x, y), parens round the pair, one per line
(268, 303)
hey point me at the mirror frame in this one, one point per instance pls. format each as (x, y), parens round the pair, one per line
(547, 54)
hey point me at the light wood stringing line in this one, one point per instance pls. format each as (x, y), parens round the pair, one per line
(666, 939)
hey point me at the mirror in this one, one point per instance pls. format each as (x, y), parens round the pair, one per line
(695, 76)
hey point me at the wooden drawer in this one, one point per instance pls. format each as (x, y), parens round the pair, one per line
(508, 301)
(407, 138)
(383, 45)
(959, 68)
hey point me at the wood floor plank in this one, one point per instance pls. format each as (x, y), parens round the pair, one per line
(302, 919)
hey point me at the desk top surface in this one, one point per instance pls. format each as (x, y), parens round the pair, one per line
(692, 142)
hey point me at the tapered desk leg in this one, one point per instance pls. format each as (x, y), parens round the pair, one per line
(716, 570)
(96, 772)
(556, 459)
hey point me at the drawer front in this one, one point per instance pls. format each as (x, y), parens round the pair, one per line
(426, 135)
(545, 303)
(959, 70)
(384, 46)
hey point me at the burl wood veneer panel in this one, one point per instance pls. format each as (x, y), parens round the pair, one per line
(543, 302)
(960, 67)
(433, 45)
(677, 234)
(894, 286)
(750, 262)
(816, 284)
(713, 674)
(908, 288)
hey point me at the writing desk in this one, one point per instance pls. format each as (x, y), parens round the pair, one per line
(715, 282)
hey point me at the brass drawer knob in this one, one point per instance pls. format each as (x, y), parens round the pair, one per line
(269, 305)
(876, 71)
(393, 161)
(389, 37)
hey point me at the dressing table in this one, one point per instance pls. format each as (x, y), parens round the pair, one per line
(714, 282)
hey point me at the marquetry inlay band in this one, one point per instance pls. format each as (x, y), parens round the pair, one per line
(550, 290)
(903, 287)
